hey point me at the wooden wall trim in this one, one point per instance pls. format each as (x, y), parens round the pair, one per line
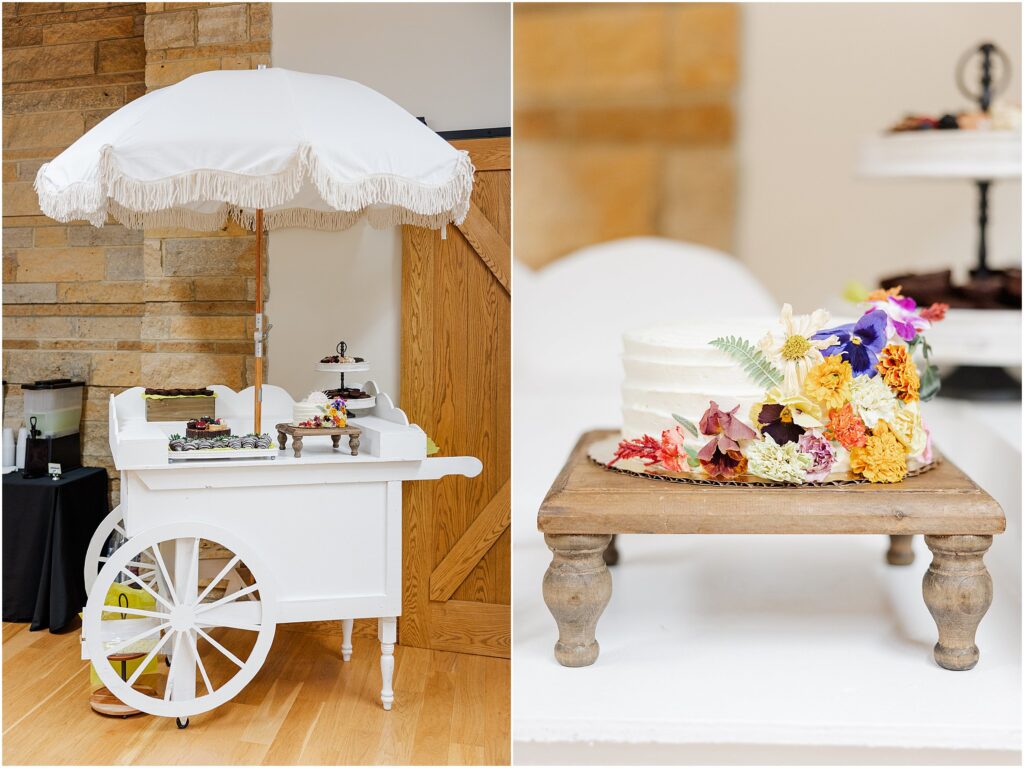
(489, 245)
(491, 628)
(487, 154)
(472, 545)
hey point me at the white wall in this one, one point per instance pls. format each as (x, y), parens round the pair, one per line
(447, 62)
(818, 78)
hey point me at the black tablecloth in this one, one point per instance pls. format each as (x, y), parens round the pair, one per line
(47, 527)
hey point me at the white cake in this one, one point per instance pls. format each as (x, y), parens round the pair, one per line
(852, 415)
(674, 370)
(306, 409)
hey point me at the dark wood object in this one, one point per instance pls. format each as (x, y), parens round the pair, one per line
(297, 433)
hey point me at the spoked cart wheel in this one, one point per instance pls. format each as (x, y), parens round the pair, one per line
(111, 534)
(95, 554)
(217, 645)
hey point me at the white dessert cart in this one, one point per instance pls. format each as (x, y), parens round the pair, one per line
(308, 539)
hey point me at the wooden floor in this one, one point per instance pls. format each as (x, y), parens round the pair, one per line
(305, 706)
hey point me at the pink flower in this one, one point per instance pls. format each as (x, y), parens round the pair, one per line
(672, 454)
(721, 455)
(715, 421)
(903, 319)
(820, 450)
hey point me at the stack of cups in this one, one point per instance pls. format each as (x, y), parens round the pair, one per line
(9, 449)
(22, 445)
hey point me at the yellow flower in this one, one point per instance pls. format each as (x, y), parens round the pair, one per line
(829, 382)
(883, 459)
(899, 372)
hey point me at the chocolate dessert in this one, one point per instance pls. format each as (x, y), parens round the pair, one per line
(178, 443)
(180, 392)
(348, 393)
(997, 289)
(206, 427)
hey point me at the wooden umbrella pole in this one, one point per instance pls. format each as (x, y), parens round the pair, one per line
(258, 392)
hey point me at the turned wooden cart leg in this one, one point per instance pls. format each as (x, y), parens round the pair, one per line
(346, 639)
(386, 631)
(901, 550)
(958, 592)
(297, 446)
(611, 552)
(577, 587)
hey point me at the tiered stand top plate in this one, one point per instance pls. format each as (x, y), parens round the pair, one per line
(343, 367)
(587, 498)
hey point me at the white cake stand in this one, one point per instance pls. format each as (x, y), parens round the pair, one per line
(356, 404)
(981, 156)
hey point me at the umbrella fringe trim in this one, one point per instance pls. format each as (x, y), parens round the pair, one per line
(384, 200)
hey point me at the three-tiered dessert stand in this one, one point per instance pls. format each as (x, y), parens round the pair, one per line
(355, 406)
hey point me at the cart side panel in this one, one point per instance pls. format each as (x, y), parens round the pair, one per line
(333, 549)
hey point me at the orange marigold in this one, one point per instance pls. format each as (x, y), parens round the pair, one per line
(846, 427)
(899, 372)
(829, 382)
(882, 459)
(881, 294)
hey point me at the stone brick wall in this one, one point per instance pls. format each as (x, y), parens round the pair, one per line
(116, 307)
(624, 124)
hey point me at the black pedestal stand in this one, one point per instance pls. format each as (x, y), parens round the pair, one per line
(974, 382)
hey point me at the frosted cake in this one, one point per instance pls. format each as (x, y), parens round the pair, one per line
(795, 400)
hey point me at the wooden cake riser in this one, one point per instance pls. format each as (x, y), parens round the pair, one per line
(298, 433)
(588, 504)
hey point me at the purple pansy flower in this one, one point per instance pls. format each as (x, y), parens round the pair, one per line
(903, 317)
(860, 342)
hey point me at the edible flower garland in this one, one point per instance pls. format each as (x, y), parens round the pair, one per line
(836, 398)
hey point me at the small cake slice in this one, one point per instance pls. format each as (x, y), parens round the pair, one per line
(207, 427)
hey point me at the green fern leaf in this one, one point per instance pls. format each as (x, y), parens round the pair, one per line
(753, 361)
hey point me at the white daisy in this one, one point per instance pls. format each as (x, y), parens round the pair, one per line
(793, 349)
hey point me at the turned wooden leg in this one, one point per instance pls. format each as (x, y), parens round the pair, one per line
(386, 631)
(901, 550)
(577, 587)
(611, 552)
(282, 439)
(958, 592)
(346, 639)
(297, 445)
(335, 440)
(353, 444)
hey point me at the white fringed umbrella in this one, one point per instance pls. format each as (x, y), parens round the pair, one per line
(269, 148)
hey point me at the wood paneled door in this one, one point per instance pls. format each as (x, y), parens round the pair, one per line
(456, 369)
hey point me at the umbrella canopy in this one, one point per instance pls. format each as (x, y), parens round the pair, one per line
(269, 148)
(309, 150)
